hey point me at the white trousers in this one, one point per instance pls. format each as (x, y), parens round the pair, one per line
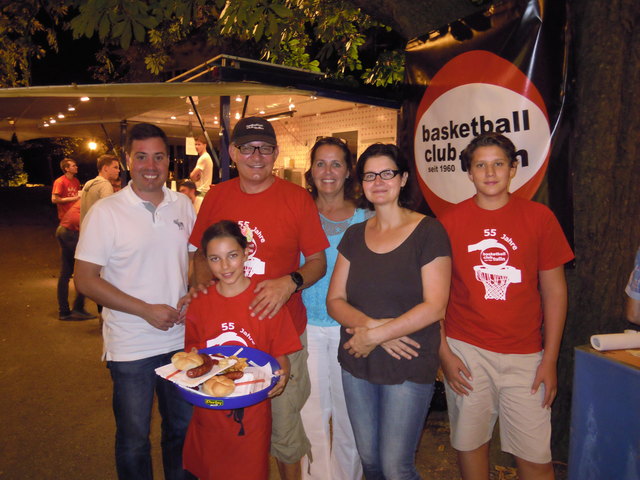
(335, 457)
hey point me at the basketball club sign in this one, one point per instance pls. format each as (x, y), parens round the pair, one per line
(500, 70)
(475, 93)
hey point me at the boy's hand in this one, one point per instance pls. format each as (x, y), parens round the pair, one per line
(546, 374)
(457, 374)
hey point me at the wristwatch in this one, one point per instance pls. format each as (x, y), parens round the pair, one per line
(297, 279)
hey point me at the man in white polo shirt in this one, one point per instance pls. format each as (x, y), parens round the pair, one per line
(132, 258)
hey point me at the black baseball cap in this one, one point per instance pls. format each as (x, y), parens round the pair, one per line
(253, 129)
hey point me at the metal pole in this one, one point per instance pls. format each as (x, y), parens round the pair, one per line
(225, 125)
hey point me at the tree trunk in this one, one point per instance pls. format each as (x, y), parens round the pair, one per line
(605, 113)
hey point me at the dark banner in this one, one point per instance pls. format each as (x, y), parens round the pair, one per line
(500, 70)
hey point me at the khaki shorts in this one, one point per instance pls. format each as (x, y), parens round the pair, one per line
(501, 389)
(289, 443)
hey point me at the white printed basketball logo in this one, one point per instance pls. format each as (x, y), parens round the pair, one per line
(253, 265)
(494, 273)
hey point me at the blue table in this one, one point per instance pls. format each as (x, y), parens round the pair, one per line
(605, 416)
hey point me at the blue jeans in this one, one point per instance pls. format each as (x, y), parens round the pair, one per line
(68, 239)
(387, 422)
(134, 384)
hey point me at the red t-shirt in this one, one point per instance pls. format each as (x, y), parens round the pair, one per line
(495, 303)
(63, 187)
(214, 448)
(279, 223)
(71, 219)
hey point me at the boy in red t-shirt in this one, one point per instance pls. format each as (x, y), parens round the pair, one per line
(507, 282)
(233, 444)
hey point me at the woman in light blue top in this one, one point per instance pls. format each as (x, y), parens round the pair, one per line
(333, 449)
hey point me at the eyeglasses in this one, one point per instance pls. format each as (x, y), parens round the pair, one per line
(250, 149)
(384, 175)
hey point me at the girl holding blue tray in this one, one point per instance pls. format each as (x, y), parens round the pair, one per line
(233, 444)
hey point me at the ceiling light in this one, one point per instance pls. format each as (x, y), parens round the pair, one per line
(52, 120)
(291, 106)
(92, 145)
(238, 116)
(238, 98)
(45, 124)
(61, 116)
(84, 99)
(71, 108)
(262, 112)
(279, 116)
(173, 117)
(190, 112)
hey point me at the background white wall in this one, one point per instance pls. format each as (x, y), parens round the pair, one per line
(297, 135)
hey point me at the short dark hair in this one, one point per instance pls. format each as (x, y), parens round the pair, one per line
(65, 163)
(349, 183)
(105, 160)
(201, 139)
(187, 183)
(406, 198)
(223, 228)
(143, 131)
(491, 139)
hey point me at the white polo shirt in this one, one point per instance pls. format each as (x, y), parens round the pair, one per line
(143, 252)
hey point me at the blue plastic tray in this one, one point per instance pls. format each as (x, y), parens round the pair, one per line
(228, 403)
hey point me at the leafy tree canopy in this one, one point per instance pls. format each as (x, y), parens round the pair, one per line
(335, 36)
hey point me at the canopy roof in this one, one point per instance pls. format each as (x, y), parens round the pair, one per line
(261, 89)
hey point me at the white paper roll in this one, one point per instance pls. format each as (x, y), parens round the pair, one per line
(616, 341)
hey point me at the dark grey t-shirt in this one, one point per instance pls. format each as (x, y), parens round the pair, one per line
(386, 286)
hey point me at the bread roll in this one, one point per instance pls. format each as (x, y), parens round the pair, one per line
(187, 360)
(218, 387)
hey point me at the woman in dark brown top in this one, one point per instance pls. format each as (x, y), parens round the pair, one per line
(389, 289)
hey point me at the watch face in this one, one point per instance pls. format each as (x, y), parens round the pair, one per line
(297, 279)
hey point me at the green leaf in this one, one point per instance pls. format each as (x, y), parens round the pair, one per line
(118, 29)
(125, 39)
(104, 28)
(138, 32)
(258, 30)
(281, 10)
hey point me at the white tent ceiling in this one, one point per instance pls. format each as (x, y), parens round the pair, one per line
(24, 111)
